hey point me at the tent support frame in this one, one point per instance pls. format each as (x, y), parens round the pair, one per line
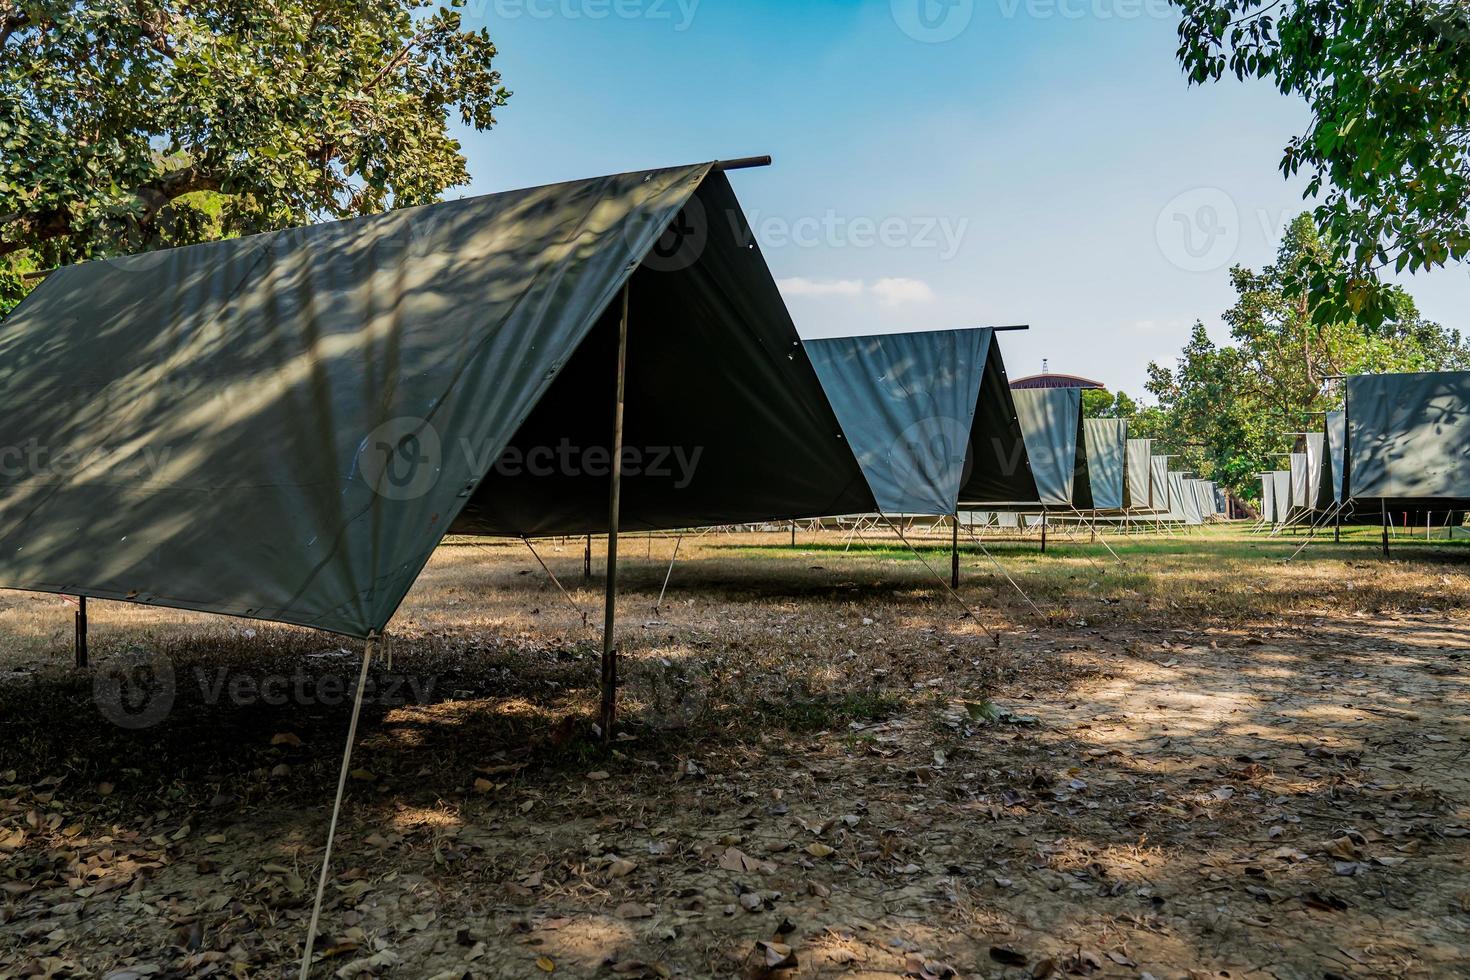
(675, 557)
(321, 885)
(608, 714)
(994, 636)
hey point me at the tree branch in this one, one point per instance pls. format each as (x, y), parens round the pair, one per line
(154, 195)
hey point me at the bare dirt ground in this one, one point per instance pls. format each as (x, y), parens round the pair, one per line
(1197, 764)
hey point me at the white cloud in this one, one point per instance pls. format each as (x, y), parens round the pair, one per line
(820, 287)
(898, 292)
(889, 292)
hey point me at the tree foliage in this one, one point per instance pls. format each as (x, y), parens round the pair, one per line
(128, 125)
(1098, 403)
(1230, 410)
(1388, 83)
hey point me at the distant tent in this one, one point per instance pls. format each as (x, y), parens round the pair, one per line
(1268, 498)
(1300, 483)
(914, 407)
(1182, 504)
(1222, 503)
(324, 404)
(1408, 440)
(1161, 492)
(1282, 484)
(1315, 443)
(1336, 455)
(1139, 451)
(1051, 421)
(1106, 443)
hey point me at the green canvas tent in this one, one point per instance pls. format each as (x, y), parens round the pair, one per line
(284, 426)
(1106, 442)
(1408, 440)
(1051, 423)
(928, 415)
(1139, 452)
(1281, 482)
(1301, 498)
(1336, 455)
(1160, 492)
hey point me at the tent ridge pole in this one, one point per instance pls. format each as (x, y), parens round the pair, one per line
(608, 715)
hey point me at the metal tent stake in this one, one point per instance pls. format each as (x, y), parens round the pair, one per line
(81, 650)
(609, 622)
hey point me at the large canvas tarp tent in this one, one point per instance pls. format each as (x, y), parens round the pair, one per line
(314, 409)
(928, 415)
(1051, 422)
(1139, 452)
(1408, 441)
(1105, 442)
(1268, 498)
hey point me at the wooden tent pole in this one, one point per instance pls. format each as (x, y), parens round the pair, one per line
(1383, 503)
(1043, 530)
(615, 492)
(81, 643)
(587, 561)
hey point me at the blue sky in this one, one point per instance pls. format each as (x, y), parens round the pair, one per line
(996, 162)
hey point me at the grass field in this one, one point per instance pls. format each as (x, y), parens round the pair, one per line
(1198, 762)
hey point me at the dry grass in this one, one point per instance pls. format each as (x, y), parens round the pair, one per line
(1111, 784)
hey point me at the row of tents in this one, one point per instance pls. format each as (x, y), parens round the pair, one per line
(285, 426)
(1398, 450)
